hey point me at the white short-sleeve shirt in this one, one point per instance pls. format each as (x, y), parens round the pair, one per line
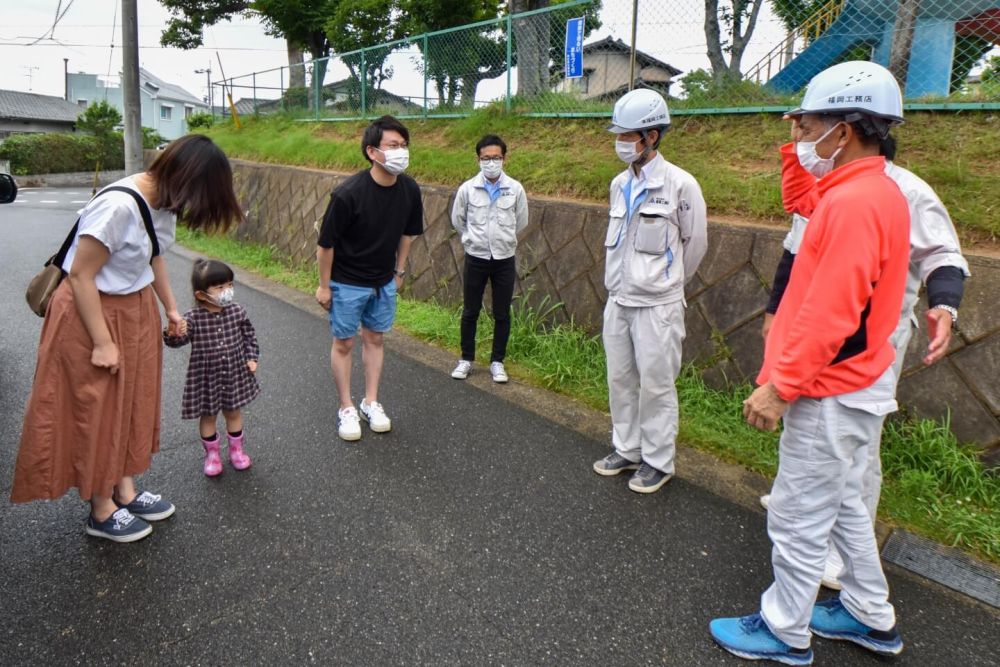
(114, 220)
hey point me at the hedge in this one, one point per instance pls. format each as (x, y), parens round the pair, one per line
(60, 153)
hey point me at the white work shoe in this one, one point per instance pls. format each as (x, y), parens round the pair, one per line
(831, 571)
(462, 369)
(348, 424)
(375, 416)
(765, 500)
(498, 372)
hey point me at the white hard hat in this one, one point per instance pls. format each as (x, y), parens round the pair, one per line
(857, 86)
(637, 110)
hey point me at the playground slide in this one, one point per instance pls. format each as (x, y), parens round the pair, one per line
(871, 22)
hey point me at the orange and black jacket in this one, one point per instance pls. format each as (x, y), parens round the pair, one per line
(830, 335)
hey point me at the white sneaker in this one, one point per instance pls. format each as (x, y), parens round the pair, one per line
(831, 571)
(765, 500)
(375, 416)
(498, 373)
(462, 370)
(348, 424)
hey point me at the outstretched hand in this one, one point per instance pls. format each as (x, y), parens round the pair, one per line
(939, 332)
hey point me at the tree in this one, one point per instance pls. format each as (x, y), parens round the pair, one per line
(101, 119)
(739, 18)
(793, 13)
(902, 40)
(364, 23)
(299, 22)
(456, 62)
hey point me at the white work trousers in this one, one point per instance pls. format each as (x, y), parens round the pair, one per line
(643, 349)
(871, 488)
(817, 500)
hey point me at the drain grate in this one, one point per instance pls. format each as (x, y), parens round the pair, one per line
(948, 567)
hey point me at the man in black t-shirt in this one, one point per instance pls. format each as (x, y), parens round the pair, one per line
(363, 244)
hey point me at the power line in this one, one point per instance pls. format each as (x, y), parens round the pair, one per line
(104, 46)
(114, 23)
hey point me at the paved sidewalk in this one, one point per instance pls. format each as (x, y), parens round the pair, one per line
(473, 533)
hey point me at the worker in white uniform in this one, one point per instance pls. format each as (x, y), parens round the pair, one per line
(936, 261)
(657, 236)
(828, 372)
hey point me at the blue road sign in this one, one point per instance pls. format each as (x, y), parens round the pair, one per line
(574, 48)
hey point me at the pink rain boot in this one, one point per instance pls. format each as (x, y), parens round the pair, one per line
(213, 462)
(237, 456)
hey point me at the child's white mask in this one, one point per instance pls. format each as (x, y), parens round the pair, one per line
(225, 297)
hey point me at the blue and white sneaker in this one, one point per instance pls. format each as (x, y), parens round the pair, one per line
(648, 479)
(749, 637)
(613, 464)
(831, 620)
(149, 507)
(121, 526)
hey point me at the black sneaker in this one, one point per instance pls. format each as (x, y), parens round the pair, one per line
(121, 526)
(648, 479)
(149, 507)
(613, 464)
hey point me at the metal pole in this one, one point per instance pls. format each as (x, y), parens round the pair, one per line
(364, 84)
(631, 59)
(130, 88)
(254, 79)
(281, 84)
(426, 62)
(510, 37)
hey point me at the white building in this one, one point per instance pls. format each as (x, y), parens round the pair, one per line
(165, 107)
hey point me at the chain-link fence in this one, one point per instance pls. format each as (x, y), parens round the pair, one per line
(575, 58)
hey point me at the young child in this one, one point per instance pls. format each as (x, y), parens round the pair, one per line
(224, 355)
(490, 210)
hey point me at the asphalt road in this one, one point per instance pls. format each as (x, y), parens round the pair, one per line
(473, 533)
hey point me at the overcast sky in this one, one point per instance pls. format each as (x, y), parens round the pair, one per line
(89, 35)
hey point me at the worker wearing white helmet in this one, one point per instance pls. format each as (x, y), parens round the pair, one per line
(936, 261)
(657, 236)
(828, 371)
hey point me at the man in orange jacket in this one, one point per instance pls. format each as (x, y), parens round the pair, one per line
(828, 371)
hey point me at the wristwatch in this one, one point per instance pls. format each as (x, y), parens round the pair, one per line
(400, 274)
(950, 310)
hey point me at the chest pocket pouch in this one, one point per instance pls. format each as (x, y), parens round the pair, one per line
(651, 236)
(616, 224)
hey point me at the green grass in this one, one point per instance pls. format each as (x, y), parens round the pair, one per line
(734, 157)
(933, 485)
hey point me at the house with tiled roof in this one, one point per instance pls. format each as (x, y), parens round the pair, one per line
(31, 113)
(165, 106)
(606, 69)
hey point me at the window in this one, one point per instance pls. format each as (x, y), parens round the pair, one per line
(188, 110)
(81, 103)
(166, 112)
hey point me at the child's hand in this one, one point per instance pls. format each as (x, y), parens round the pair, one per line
(177, 325)
(252, 365)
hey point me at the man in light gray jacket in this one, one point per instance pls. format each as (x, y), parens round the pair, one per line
(657, 236)
(490, 210)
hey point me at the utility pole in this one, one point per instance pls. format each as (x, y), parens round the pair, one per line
(130, 88)
(208, 82)
(66, 79)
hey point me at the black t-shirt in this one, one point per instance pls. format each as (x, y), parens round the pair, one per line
(364, 223)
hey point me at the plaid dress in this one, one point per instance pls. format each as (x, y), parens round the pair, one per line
(221, 345)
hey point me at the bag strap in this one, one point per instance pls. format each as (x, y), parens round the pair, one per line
(147, 219)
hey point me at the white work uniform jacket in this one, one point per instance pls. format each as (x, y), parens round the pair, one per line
(933, 239)
(489, 229)
(657, 234)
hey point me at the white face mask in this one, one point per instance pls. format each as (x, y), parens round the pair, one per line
(396, 160)
(491, 168)
(626, 151)
(810, 159)
(224, 297)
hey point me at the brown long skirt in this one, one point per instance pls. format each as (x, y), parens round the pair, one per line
(84, 427)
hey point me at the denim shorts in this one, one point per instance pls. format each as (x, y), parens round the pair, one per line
(369, 307)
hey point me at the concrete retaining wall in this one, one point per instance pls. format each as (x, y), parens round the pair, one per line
(561, 258)
(76, 179)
